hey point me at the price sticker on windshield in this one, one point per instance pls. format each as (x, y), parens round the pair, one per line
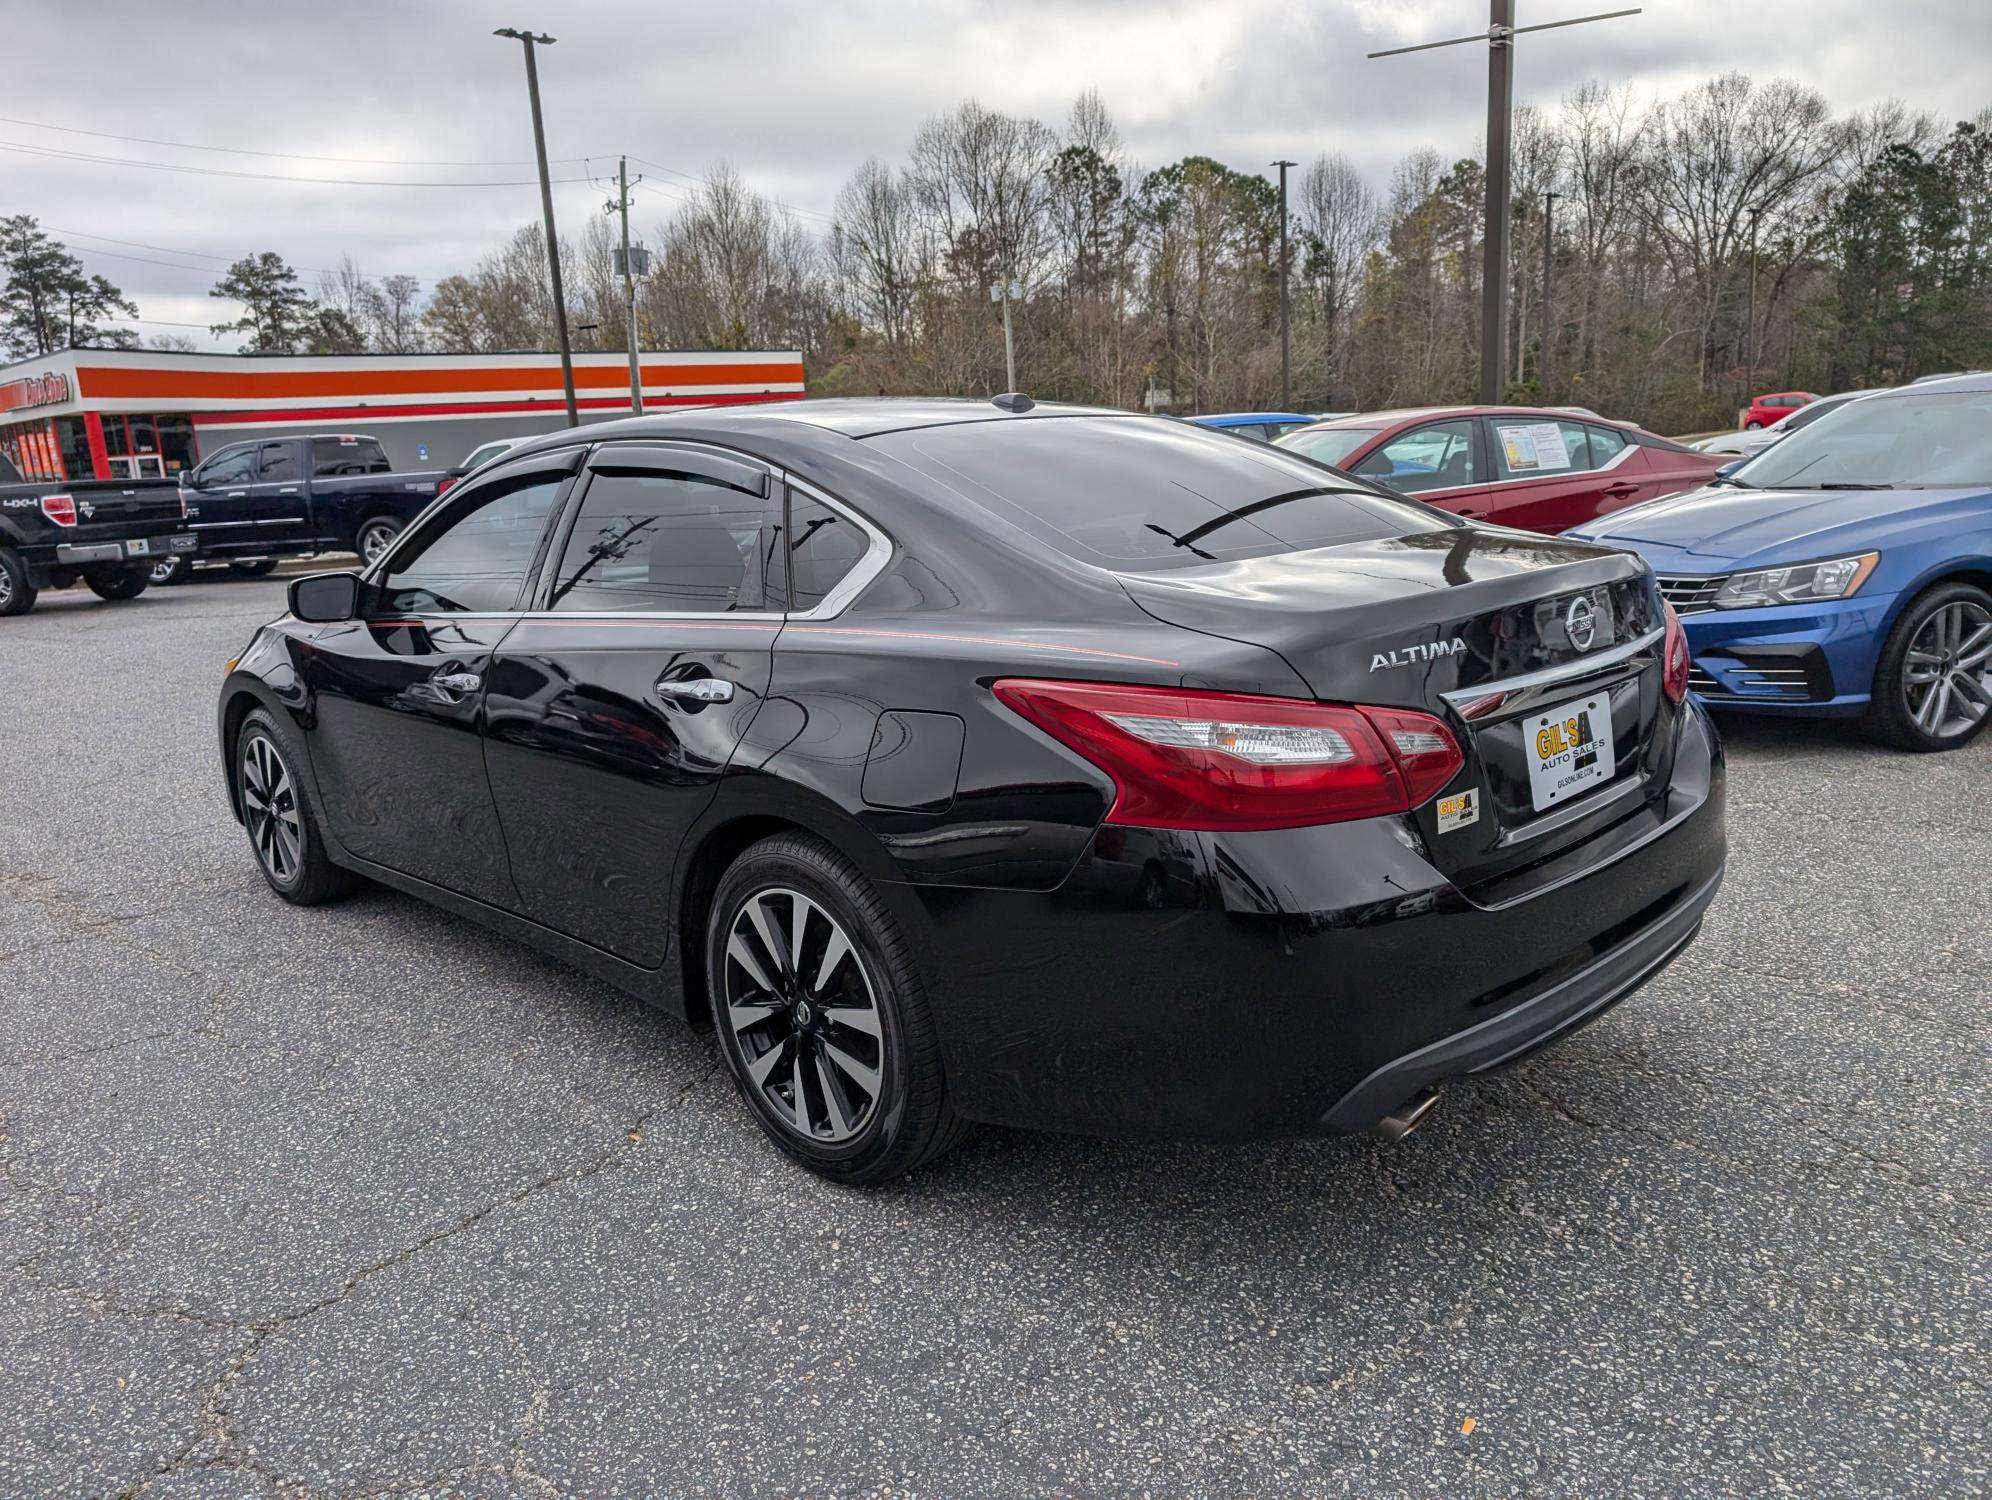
(1569, 750)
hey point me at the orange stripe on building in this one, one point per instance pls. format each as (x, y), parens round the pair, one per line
(111, 382)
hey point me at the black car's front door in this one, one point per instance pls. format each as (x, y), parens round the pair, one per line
(616, 704)
(397, 697)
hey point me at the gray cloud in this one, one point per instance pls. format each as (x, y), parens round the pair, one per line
(795, 93)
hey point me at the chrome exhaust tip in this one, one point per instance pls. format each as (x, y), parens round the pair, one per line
(1408, 1116)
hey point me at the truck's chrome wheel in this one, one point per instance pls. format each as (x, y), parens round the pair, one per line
(1948, 674)
(803, 1011)
(269, 807)
(374, 539)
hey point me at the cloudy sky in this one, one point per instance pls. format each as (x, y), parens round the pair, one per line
(793, 93)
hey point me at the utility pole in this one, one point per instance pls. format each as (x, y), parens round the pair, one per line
(1499, 37)
(527, 40)
(1286, 310)
(629, 269)
(1548, 264)
(1002, 294)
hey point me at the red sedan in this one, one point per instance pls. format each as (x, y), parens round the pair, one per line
(1537, 469)
(1765, 410)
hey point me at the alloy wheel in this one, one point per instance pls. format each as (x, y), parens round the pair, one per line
(1947, 674)
(804, 1015)
(162, 572)
(269, 804)
(6, 588)
(373, 542)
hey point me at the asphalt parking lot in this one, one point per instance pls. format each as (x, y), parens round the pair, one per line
(363, 1201)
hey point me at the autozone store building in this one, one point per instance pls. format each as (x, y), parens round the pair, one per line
(134, 414)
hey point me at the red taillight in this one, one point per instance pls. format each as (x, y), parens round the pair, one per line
(1674, 662)
(60, 509)
(444, 483)
(1182, 758)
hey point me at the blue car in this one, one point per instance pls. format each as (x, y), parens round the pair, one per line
(1263, 426)
(1845, 571)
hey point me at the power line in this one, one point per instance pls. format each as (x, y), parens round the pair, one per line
(355, 161)
(58, 154)
(204, 255)
(807, 213)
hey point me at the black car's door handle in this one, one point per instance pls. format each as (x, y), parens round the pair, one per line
(695, 689)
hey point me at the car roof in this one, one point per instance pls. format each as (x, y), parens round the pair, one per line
(854, 417)
(1976, 380)
(1378, 420)
(1249, 418)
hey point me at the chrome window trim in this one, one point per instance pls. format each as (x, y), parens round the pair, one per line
(878, 555)
(1529, 682)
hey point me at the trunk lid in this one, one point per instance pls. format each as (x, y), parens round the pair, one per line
(1500, 634)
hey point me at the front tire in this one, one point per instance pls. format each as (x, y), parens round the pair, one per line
(1752, 426)
(277, 812)
(375, 537)
(17, 595)
(822, 1019)
(1933, 684)
(125, 583)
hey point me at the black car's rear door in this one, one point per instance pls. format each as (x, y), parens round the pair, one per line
(398, 696)
(615, 705)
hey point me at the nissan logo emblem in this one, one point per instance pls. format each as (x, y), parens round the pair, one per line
(1580, 623)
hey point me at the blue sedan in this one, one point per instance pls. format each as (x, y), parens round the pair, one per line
(1262, 425)
(1845, 571)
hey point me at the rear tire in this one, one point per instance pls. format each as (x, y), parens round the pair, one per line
(124, 583)
(277, 811)
(255, 568)
(375, 537)
(170, 570)
(837, 1055)
(17, 595)
(1933, 683)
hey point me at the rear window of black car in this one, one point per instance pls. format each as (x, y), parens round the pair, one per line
(341, 457)
(1142, 494)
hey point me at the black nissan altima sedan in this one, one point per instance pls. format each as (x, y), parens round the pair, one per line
(988, 761)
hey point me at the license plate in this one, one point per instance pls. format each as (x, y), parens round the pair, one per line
(1570, 750)
(182, 543)
(137, 547)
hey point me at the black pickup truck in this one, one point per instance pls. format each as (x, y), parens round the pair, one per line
(255, 502)
(105, 533)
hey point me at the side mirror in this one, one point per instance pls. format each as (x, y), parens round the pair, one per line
(1729, 468)
(325, 598)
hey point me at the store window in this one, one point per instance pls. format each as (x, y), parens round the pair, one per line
(176, 443)
(74, 440)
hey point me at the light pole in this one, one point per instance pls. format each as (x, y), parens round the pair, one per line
(1286, 344)
(1500, 39)
(527, 40)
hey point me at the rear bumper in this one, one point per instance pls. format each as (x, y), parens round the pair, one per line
(1299, 981)
(156, 547)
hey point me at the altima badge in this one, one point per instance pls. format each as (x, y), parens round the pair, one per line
(1580, 623)
(1405, 656)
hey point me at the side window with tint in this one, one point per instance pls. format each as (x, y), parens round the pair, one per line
(1606, 445)
(1539, 450)
(479, 555)
(1438, 456)
(276, 463)
(230, 466)
(822, 547)
(657, 540)
(338, 457)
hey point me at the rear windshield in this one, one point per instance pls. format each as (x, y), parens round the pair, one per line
(1328, 445)
(337, 457)
(1894, 442)
(1141, 494)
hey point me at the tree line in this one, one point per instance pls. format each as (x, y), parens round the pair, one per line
(1670, 257)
